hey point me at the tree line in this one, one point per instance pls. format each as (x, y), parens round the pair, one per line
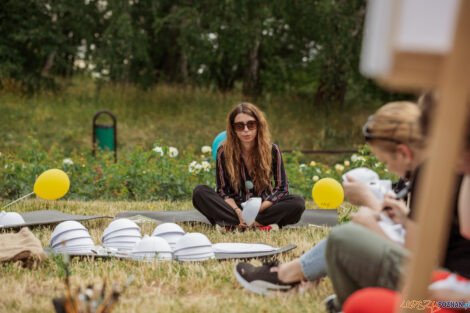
(303, 46)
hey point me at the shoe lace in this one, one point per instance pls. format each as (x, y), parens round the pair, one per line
(271, 263)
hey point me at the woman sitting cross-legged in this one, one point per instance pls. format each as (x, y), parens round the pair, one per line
(247, 164)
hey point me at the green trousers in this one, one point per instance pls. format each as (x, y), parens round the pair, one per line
(358, 258)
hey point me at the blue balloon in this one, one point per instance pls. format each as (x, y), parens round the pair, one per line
(215, 145)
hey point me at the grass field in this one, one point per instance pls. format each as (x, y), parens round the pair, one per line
(159, 287)
(187, 118)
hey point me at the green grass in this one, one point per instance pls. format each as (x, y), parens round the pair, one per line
(159, 287)
(187, 118)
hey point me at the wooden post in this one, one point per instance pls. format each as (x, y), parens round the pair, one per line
(434, 199)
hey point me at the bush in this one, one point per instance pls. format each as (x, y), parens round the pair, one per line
(159, 174)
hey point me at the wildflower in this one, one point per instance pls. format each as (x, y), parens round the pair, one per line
(339, 167)
(302, 166)
(159, 150)
(318, 170)
(315, 178)
(198, 168)
(346, 163)
(173, 152)
(206, 166)
(377, 164)
(354, 158)
(68, 161)
(206, 149)
(313, 163)
(192, 166)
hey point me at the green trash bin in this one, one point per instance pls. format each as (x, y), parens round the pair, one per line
(105, 136)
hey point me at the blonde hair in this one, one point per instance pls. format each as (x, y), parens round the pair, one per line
(262, 154)
(395, 123)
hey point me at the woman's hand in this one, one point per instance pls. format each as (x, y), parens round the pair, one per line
(238, 211)
(359, 194)
(396, 210)
(365, 217)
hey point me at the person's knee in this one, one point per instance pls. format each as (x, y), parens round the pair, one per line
(298, 204)
(338, 237)
(199, 191)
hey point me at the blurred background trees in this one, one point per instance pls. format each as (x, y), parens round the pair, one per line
(309, 47)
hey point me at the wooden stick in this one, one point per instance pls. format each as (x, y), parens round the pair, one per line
(437, 184)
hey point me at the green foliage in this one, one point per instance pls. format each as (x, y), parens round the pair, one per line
(306, 47)
(142, 174)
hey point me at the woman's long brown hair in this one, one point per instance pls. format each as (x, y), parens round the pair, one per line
(261, 156)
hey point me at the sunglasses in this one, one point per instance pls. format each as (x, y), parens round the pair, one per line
(368, 136)
(240, 126)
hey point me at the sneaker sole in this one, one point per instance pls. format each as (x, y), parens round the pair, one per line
(258, 286)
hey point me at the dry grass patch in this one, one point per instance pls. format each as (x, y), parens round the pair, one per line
(158, 287)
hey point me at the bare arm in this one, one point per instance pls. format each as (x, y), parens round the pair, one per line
(464, 207)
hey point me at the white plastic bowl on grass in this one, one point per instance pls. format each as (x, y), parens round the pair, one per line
(166, 228)
(153, 246)
(11, 219)
(191, 240)
(83, 241)
(68, 235)
(194, 251)
(123, 239)
(128, 232)
(65, 227)
(120, 224)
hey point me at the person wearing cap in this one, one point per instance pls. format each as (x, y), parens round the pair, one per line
(247, 164)
(395, 137)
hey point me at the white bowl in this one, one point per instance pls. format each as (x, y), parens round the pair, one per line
(191, 240)
(126, 246)
(127, 232)
(71, 234)
(171, 238)
(123, 239)
(194, 250)
(152, 255)
(66, 226)
(84, 241)
(11, 218)
(122, 223)
(167, 228)
(152, 244)
(201, 257)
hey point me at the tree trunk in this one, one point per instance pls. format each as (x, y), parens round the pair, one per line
(49, 63)
(332, 88)
(251, 82)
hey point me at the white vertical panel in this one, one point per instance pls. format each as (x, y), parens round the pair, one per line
(426, 25)
(376, 53)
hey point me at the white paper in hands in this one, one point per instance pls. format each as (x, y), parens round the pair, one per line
(379, 187)
(396, 232)
(250, 210)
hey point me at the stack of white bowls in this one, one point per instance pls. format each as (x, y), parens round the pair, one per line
(193, 247)
(71, 237)
(121, 234)
(171, 232)
(152, 248)
(10, 219)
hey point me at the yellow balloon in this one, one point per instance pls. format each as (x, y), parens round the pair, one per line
(328, 193)
(52, 184)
